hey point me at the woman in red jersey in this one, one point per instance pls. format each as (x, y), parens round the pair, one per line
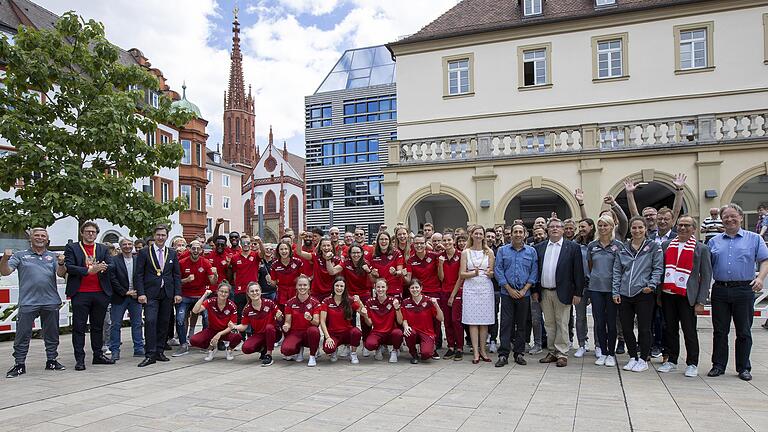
(302, 316)
(356, 275)
(336, 321)
(284, 271)
(387, 263)
(326, 266)
(403, 242)
(222, 318)
(262, 315)
(448, 272)
(416, 315)
(380, 313)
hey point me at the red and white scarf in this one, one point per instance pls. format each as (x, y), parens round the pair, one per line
(678, 266)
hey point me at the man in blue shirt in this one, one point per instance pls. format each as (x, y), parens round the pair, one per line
(516, 270)
(735, 254)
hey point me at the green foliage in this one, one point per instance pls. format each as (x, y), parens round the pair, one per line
(85, 126)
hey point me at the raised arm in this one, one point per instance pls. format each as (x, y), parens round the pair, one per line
(629, 187)
(677, 205)
(579, 195)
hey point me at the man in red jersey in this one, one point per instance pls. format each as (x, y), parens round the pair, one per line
(196, 275)
(245, 269)
(219, 259)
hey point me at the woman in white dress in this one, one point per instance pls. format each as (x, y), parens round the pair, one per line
(477, 262)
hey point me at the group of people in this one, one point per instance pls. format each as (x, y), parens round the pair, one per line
(427, 290)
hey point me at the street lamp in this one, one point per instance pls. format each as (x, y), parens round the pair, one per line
(330, 214)
(260, 212)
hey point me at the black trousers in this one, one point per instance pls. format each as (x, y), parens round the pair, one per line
(678, 313)
(493, 330)
(157, 313)
(88, 306)
(640, 306)
(514, 316)
(241, 300)
(735, 303)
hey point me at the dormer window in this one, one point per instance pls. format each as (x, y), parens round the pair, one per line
(531, 7)
(603, 3)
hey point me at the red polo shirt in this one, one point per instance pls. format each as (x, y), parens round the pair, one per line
(296, 308)
(258, 319)
(334, 318)
(284, 276)
(420, 315)
(218, 319)
(451, 268)
(322, 283)
(425, 270)
(382, 315)
(201, 269)
(358, 281)
(382, 264)
(245, 270)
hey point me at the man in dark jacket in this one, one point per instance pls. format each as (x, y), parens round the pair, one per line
(124, 298)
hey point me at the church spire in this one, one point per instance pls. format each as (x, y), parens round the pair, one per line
(236, 96)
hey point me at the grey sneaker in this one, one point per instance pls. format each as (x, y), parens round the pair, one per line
(667, 367)
(535, 350)
(181, 350)
(173, 342)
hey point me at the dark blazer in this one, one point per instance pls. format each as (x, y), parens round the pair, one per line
(147, 282)
(119, 276)
(74, 259)
(569, 275)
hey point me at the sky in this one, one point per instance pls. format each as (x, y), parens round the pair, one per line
(288, 46)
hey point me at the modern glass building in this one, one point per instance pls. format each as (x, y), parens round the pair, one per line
(349, 120)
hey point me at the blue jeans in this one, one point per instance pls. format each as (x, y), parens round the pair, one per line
(183, 310)
(117, 313)
(271, 296)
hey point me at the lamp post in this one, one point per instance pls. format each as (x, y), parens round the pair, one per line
(260, 213)
(330, 214)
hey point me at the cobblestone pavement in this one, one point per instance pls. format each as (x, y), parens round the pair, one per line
(188, 394)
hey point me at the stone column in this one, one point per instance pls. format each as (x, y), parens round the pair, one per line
(485, 180)
(591, 172)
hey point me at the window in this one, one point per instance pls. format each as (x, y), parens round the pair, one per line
(370, 109)
(237, 130)
(318, 116)
(225, 203)
(319, 194)
(765, 38)
(270, 202)
(164, 139)
(341, 151)
(153, 99)
(532, 7)
(694, 48)
(609, 57)
(209, 175)
(605, 2)
(458, 79)
(363, 191)
(209, 200)
(199, 154)
(151, 138)
(209, 225)
(186, 193)
(165, 192)
(534, 70)
(198, 199)
(225, 180)
(186, 159)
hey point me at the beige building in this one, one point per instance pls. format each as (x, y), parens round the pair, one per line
(223, 198)
(505, 107)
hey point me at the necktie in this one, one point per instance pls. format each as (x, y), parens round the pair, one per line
(160, 259)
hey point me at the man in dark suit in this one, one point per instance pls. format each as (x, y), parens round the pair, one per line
(157, 280)
(125, 298)
(89, 287)
(561, 283)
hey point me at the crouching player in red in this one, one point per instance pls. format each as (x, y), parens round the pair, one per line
(417, 317)
(261, 315)
(380, 313)
(222, 317)
(337, 314)
(301, 321)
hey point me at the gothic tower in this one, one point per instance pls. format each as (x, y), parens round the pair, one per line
(239, 119)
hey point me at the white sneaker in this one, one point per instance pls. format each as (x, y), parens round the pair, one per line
(600, 360)
(667, 367)
(610, 361)
(290, 358)
(580, 352)
(300, 355)
(598, 352)
(492, 348)
(343, 352)
(630, 364)
(209, 356)
(230, 356)
(366, 353)
(334, 358)
(692, 371)
(535, 350)
(173, 342)
(378, 355)
(640, 366)
(393, 356)
(353, 358)
(106, 351)
(312, 361)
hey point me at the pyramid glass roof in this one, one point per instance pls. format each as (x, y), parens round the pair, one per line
(361, 67)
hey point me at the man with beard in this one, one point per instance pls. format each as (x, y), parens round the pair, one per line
(196, 275)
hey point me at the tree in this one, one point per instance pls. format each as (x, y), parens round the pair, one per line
(73, 113)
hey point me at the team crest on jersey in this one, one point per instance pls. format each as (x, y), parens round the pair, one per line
(293, 266)
(223, 262)
(266, 309)
(389, 306)
(389, 257)
(48, 258)
(200, 269)
(226, 312)
(423, 304)
(250, 258)
(429, 260)
(309, 306)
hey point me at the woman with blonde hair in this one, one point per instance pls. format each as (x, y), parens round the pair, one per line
(477, 262)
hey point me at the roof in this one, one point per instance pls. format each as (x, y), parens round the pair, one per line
(184, 103)
(479, 16)
(360, 67)
(19, 12)
(209, 162)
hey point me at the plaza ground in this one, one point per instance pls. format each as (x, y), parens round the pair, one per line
(187, 394)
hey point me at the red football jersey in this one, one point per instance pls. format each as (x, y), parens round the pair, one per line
(420, 315)
(358, 282)
(220, 262)
(218, 319)
(451, 268)
(258, 319)
(284, 276)
(322, 283)
(382, 264)
(201, 269)
(245, 270)
(382, 315)
(296, 309)
(425, 270)
(334, 319)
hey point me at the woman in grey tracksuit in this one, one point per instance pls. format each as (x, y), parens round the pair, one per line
(637, 272)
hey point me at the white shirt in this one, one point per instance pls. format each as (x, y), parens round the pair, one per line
(551, 256)
(129, 266)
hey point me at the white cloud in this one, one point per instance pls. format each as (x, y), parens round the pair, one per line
(283, 60)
